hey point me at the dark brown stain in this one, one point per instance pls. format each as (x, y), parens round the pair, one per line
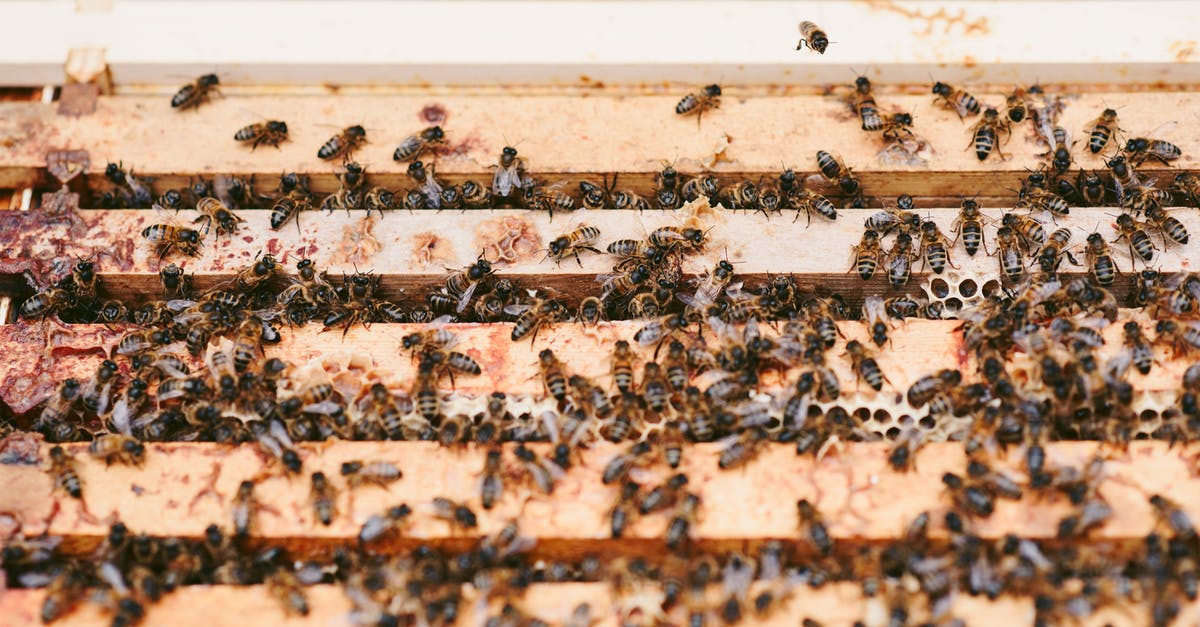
(434, 114)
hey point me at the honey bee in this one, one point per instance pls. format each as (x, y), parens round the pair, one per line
(623, 510)
(812, 36)
(531, 317)
(935, 247)
(196, 92)
(323, 497)
(509, 175)
(658, 330)
(927, 387)
(1030, 234)
(1060, 150)
(708, 97)
(166, 237)
(285, 586)
(1099, 260)
(1052, 252)
(898, 261)
(865, 366)
(969, 226)
(835, 171)
(809, 202)
(812, 527)
(1139, 149)
(897, 127)
(1184, 336)
(670, 237)
(343, 144)
(1134, 233)
(590, 312)
(1039, 199)
(245, 509)
(380, 199)
(429, 187)
(491, 484)
(458, 514)
(867, 254)
(888, 220)
(864, 105)
(742, 195)
(680, 526)
(463, 283)
(271, 133)
(957, 100)
(119, 448)
(214, 212)
(741, 448)
(1090, 187)
(875, 315)
(413, 146)
(1169, 226)
(582, 238)
(1123, 174)
(1138, 347)
(1101, 129)
(543, 472)
(387, 523)
(554, 378)
(989, 133)
(1187, 185)
(622, 366)
(63, 594)
(62, 468)
(1016, 108)
(700, 186)
(378, 473)
(1008, 253)
(627, 199)
(623, 284)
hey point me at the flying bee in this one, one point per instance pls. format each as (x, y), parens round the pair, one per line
(1090, 187)
(899, 259)
(957, 100)
(1060, 150)
(271, 133)
(166, 237)
(196, 92)
(213, 212)
(1101, 129)
(323, 497)
(378, 473)
(812, 36)
(867, 254)
(510, 173)
(989, 133)
(697, 102)
(582, 238)
(1134, 233)
(1099, 260)
(1169, 226)
(119, 448)
(1030, 234)
(343, 144)
(835, 171)
(413, 146)
(809, 202)
(1138, 346)
(897, 127)
(1052, 252)
(1008, 253)
(1139, 149)
(62, 469)
(700, 186)
(812, 526)
(531, 317)
(935, 247)
(864, 105)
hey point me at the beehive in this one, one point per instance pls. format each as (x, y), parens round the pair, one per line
(591, 114)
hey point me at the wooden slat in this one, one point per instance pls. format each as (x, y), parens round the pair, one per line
(561, 137)
(834, 605)
(182, 488)
(819, 255)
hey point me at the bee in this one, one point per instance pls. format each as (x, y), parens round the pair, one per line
(810, 202)
(509, 173)
(380, 199)
(63, 594)
(1060, 151)
(989, 133)
(1016, 108)
(119, 448)
(214, 212)
(619, 466)
(463, 283)
(812, 527)
(658, 330)
(1175, 517)
(1101, 129)
(378, 473)
(1052, 252)
(700, 186)
(956, 100)
(1123, 174)
(582, 238)
(742, 195)
(531, 317)
(1008, 253)
(626, 199)
(1090, 188)
(285, 586)
(169, 200)
(174, 281)
(474, 195)
(1183, 336)
(864, 105)
(245, 509)
(969, 226)
(927, 387)
(935, 247)
(741, 448)
(662, 495)
(554, 378)
(491, 484)
(622, 366)
(708, 97)
(1039, 199)
(166, 237)
(271, 133)
(1188, 185)
(680, 526)
(1134, 233)
(429, 187)
(380, 525)
(1099, 260)
(865, 366)
(898, 261)
(897, 126)
(812, 36)
(1138, 346)
(1030, 233)
(670, 237)
(835, 171)
(413, 146)
(458, 514)
(1139, 149)
(875, 315)
(323, 497)
(590, 312)
(543, 472)
(343, 144)
(196, 92)
(62, 468)
(1167, 225)
(283, 209)
(623, 510)
(888, 220)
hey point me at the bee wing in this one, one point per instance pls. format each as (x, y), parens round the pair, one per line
(516, 310)
(1161, 128)
(874, 309)
(465, 299)
(820, 184)
(120, 417)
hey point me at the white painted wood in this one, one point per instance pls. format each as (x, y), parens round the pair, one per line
(363, 42)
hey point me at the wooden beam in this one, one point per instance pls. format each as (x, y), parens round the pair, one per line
(184, 487)
(412, 251)
(834, 605)
(563, 137)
